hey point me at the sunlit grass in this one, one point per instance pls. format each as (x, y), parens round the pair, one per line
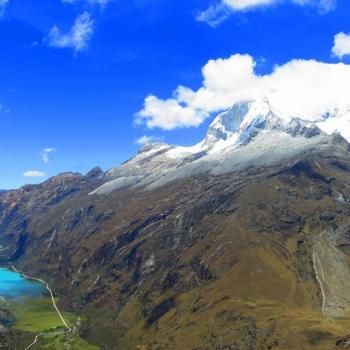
(37, 315)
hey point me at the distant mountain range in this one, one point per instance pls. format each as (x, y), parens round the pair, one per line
(239, 242)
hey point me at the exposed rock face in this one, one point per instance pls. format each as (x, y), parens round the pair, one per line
(18, 206)
(341, 236)
(95, 173)
(205, 249)
(343, 343)
(3, 330)
(6, 317)
(333, 274)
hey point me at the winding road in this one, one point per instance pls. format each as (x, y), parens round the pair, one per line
(68, 329)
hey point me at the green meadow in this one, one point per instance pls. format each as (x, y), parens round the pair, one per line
(37, 315)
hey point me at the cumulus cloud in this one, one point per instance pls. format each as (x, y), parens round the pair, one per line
(303, 88)
(3, 4)
(45, 154)
(168, 114)
(218, 12)
(77, 38)
(146, 140)
(34, 173)
(341, 45)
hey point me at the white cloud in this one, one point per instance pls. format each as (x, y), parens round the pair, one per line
(239, 5)
(146, 140)
(3, 4)
(214, 15)
(243, 5)
(34, 173)
(339, 124)
(218, 12)
(45, 154)
(341, 45)
(304, 88)
(77, 38)
(101, 3)
(168, 114)
(323, 6)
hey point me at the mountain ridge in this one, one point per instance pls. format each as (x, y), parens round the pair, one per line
(208, 251)
(243, 124)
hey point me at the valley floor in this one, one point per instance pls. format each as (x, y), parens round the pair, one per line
(37, 315)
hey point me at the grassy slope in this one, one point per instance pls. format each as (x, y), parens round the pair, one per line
(257, 305)
(256, 238)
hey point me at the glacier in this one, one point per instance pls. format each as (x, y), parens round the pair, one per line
(250, 133)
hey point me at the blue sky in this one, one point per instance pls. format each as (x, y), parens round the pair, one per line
(75, 73)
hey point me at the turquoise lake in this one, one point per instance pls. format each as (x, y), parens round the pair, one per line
(14, 286)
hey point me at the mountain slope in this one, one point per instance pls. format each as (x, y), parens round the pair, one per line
(209, 247)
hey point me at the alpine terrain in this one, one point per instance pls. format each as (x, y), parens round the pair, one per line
(241, 241)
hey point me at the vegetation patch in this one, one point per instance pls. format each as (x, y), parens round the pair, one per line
(37, 315)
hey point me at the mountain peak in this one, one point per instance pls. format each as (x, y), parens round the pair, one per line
(95, 172)
(251, 132)
(153, 146)
(239, 120)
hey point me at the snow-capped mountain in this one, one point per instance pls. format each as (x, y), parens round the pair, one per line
(249, 133)
(237, 123)
(278, 215)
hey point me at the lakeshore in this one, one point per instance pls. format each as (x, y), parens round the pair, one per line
(36, 314)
